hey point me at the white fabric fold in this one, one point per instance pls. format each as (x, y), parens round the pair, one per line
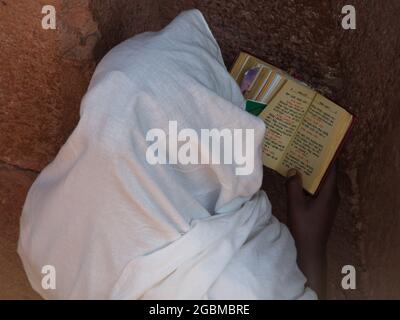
(116, 227)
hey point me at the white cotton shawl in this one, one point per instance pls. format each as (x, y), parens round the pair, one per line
(116, 227)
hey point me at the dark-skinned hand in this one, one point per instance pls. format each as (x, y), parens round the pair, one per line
(310, 220)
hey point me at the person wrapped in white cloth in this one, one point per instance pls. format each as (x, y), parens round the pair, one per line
(115, 226)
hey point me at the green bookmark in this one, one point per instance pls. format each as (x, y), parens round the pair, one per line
(254, 107)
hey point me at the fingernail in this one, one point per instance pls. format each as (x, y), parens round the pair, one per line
(291, 173)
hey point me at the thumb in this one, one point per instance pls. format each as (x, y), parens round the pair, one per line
(296, 197)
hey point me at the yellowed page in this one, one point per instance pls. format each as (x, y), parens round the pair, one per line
(243, 64)
(282, 118)
(238, 66)
(260, 81)
(246, 61)
(316, 141)
(268, 83)
(269, 91)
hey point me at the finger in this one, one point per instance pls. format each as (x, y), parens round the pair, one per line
(296, 197)
(329, 187)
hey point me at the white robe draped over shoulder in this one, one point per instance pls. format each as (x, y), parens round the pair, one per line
(115, 226)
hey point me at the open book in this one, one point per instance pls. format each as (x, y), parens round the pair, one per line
(304, 129)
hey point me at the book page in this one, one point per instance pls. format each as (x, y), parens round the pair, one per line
(257, 85)
(243, 64)
(237, 68)
(282, 118)
(271, 88)
(316, 141)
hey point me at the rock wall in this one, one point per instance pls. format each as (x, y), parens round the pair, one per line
(45, 73)
(370, 65)
(43, 76)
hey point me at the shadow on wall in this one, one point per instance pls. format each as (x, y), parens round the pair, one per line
(44, 75)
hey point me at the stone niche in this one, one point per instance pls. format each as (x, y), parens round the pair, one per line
(45, 74)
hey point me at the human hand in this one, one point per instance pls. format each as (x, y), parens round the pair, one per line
(310, 220)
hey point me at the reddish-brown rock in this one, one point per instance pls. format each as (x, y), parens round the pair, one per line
(44, 74)
(14, 184)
